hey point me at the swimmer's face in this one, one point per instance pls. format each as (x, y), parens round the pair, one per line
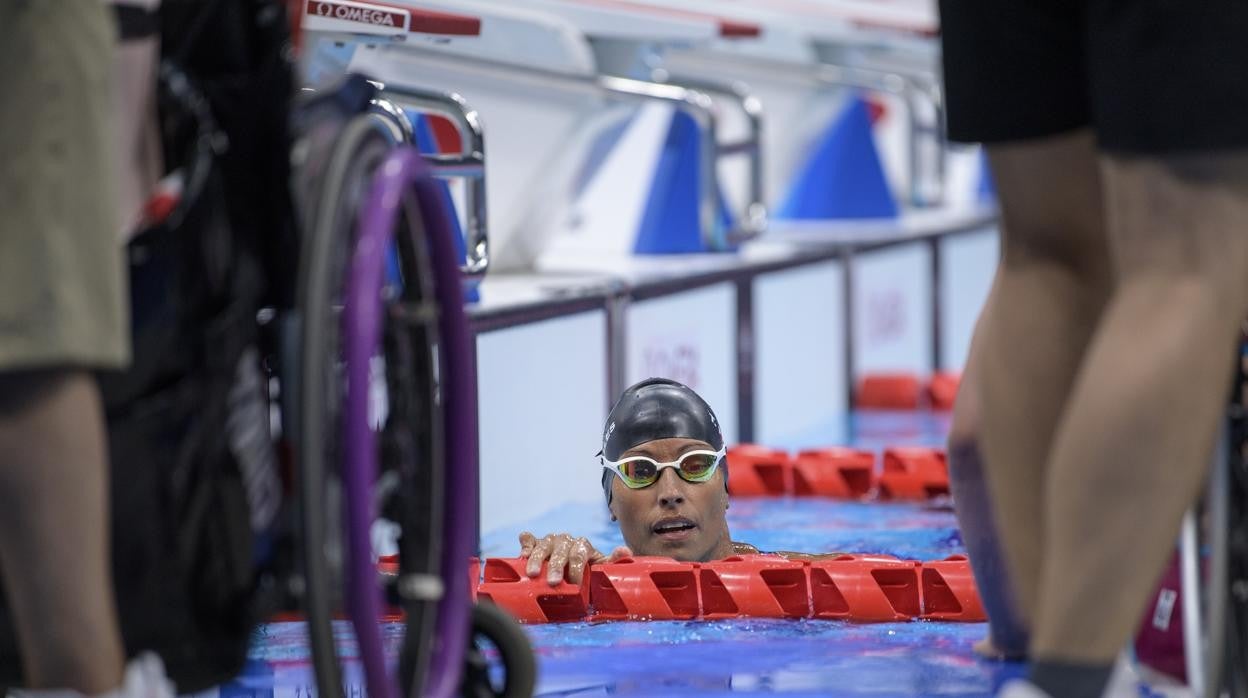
(673, 518)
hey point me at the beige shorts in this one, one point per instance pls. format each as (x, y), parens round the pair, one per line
(63, 297)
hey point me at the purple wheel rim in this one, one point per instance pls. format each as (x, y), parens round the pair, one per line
(362, 331)
(402, 171)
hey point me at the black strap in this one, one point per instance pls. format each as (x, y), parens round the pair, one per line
(135, 23)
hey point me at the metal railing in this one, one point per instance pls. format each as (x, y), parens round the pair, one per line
(468, 164)
(754, 218)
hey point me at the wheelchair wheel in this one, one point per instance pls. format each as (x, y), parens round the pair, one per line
(496, 633)
(411, 481)
(363, 143)
(406, 483)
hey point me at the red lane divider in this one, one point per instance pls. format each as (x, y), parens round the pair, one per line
(864, 588)
(942, 389)
(914, 473)
(845, 473)
(906, 391)
(872, 588)
(644, 588)
(888, 391)
(531, 600)
(909, 473)
(755, 586)
(949, 591)
(759, 471)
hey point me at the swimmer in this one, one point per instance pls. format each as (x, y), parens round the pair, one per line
(665, 478)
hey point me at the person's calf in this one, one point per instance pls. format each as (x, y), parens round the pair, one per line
(53, 508)
(1007, 629)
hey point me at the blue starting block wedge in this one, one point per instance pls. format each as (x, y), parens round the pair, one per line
(670, 222)
(843, 177)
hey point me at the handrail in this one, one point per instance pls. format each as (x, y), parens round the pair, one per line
(754, 222)
(699, 106)
(468, 164)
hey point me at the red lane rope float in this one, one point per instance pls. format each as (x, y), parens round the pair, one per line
(531, 600)
(949, 591)
(909, 473)
(906, 391)
(658, 588)
(942, 389)
(864, 588)
(888, 391)
(758, 471)
(845, 473)
(757, 586)
(914, 473)
(868, 588)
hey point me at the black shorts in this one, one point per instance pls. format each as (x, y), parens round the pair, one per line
(1148, 76)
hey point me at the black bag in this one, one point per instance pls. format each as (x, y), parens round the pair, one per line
(197, 496)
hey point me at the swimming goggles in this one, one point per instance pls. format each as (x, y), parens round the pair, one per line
(637, 472)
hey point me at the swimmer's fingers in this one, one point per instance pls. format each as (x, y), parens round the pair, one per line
(559, 559)
(582, 552)
(618, 553)
(527, 541)
(538, 555)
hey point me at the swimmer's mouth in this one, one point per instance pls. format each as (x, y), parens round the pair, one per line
(674, 528)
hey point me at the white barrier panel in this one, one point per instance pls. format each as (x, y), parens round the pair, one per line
(967, 265)
(542, 398)
(799, 350)
(690, 337)
(892, 310)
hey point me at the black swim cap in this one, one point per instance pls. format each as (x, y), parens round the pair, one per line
(657, 408)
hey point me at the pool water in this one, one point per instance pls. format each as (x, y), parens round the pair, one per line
(740, 656)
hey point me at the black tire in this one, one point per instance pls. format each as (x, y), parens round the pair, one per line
(363, 143)
(491, 623)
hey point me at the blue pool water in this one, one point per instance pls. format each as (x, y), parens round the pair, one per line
(742, 656)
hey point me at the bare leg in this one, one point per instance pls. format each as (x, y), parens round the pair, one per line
(1051, 285)
(1007, 635)
(1134, 442)
(54, 537)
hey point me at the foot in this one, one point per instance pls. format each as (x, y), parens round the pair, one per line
(1020, 688)
(986, 649)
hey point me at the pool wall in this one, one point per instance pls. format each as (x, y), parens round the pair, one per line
(775, 343)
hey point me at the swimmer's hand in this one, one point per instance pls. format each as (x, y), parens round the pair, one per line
(564, 552)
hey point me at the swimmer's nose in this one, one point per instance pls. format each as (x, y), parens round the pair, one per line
(669, 489)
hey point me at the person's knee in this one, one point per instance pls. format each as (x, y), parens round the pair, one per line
(19, 390)
(1052, 212)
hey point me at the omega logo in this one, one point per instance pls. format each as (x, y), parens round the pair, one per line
(350, 13)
